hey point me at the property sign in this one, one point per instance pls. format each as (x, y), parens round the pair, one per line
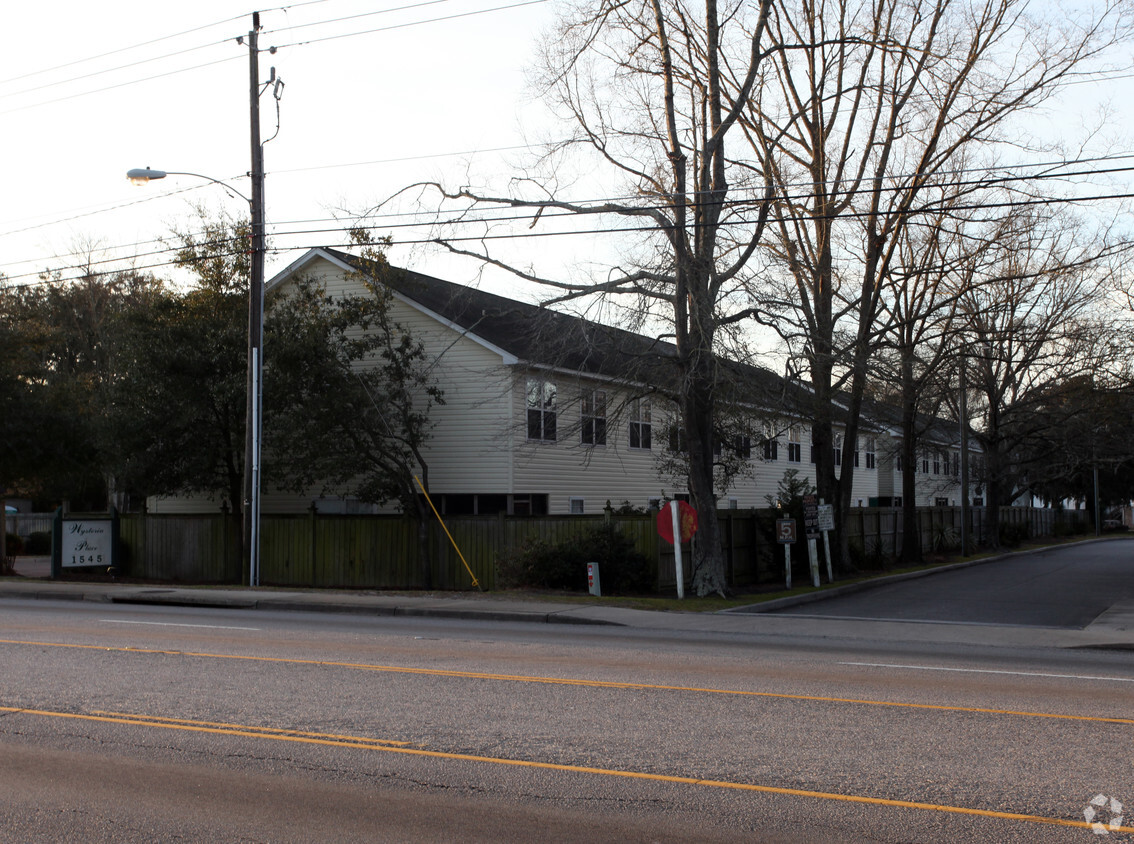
(87, 542)
(785, 531)
(811, 515)
(826, 517)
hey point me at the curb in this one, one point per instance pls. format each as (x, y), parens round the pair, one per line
(184, 598)
(875, 582)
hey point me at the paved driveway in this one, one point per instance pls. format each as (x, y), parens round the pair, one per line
(1067, 588)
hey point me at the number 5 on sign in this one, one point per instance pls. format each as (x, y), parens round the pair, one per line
(785, 535)
(785, 530)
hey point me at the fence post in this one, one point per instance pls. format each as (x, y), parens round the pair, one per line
(730, 573)
(313, 523)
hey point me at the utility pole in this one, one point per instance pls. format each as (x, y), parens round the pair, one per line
(254, 407)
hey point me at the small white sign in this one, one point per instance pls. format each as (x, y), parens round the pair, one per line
(826, 517)
(86, 542)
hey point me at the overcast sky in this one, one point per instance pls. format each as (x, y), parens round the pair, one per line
(88, 91)
(371, 101)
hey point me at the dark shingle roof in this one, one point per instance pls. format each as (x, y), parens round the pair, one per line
(548, 338)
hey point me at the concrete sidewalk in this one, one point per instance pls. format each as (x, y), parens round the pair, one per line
(1113, 629)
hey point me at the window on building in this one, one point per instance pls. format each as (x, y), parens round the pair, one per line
(593, 413)
(940, 502)
(541, 410)
(925, 465)
(771, 444)
(458, 504)
(794, 445)
(743, 446)
(733, 504)
(491, 504)
(898, 461)
(838, 449)
(576, 506)
(937, 462)
(677, 442)
(870, 452)
(640, 426)
(529, 505)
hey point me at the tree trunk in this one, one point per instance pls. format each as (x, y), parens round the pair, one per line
(698, 406)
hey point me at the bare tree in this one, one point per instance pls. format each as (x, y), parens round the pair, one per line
(940, 258)
(654, 90)
(865, 109)
(1036, 326)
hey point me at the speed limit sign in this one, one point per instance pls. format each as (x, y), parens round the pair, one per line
(785, 530)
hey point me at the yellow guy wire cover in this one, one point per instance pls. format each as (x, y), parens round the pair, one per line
(475, 582)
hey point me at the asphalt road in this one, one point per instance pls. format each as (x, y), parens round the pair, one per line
(1062, 587)
(130, 723)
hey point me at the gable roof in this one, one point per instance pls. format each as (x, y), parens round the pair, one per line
(545, 338)
(535, 335)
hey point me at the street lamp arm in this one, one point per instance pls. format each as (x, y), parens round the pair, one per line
(144, 175)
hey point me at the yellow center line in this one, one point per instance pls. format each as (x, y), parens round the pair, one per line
(159, 720)
(357, 742)
(568, 681)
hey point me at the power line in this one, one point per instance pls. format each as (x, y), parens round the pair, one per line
(354, 17)
(105, 210)
(119, 85)
(176, 53)
(534, 235)
(412, 23)
(1005, 177)
(403, 159)
(117, 51)
(502, 213)
(104, 71)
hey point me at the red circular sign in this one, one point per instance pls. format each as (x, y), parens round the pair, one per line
(686, 520)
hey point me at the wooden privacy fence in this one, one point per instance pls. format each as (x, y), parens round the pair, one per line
(321, 550)
(25, 524)
(383, 552)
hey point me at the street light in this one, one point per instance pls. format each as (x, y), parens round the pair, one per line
(254, 421)
(145, 175)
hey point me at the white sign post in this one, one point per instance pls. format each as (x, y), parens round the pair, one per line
(811, 528)
(826, 525)
(673, 508)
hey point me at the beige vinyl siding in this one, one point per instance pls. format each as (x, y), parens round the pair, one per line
(480, 446)
(467, 452)
(567, 468)
(183, 505)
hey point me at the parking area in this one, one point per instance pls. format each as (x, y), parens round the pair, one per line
(1063, 587)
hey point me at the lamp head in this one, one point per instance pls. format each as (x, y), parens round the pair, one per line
(142, 175)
